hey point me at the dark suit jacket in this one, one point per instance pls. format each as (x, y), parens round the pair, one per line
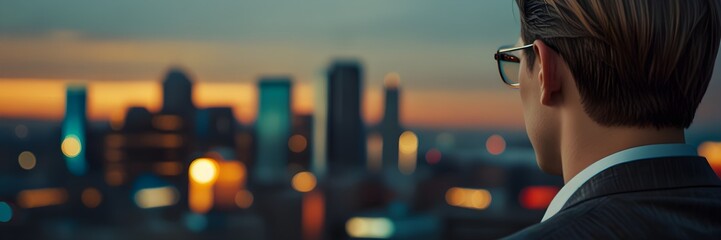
(663, 198)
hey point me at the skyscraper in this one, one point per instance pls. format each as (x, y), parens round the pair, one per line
(390, 125)
(73, 143)
(177, 93)
(346, 135)
(273, 130)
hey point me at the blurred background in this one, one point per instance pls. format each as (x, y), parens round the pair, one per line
(269, 120)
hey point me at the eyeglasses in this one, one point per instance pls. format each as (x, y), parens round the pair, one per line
(509, 63)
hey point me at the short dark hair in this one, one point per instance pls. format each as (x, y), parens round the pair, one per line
(642, 63)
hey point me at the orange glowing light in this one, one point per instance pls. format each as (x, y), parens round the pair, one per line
(108, 100)
(71, 146)
(244, 199)
(408, 142)
(297, 143)
(304, 182)
(91, 197)
(200, 197)
(407, 152)
(313, 215)
(455, 196)
(203, 171)
(42, 197)
(496, 144)
(537, 197)
(468, 198)
(712, 152)
(231, 178)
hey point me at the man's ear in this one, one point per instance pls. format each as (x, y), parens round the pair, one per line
(550, 80)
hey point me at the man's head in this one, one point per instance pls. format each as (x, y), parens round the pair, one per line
(629, 63)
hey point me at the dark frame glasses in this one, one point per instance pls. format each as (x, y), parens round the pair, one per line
(503, 57)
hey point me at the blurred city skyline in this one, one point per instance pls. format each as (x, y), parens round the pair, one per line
(314, 119)
(441, 50)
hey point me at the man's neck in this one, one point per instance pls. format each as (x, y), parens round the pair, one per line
(584, 144)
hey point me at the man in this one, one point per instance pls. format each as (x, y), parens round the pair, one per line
(608, 87)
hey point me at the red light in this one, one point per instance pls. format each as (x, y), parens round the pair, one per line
(433, 156)
(537, 197)
(496, 144)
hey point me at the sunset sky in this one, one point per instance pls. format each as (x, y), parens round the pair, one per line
(121, 49)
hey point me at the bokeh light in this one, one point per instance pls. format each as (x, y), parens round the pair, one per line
(363, 227)
(27, 160)
(304, 182)
(156, 197)
(203, 171)
(408, 142)
(43, 197)
(297, 143)
(496, 144)
(313, 215)
(244, 198)
(71, 146)
(91, 197)
(469, 198)
(433, 156)
(537, 197)
(21, 131)
(445, 141)
(6, 212)
(407, 152)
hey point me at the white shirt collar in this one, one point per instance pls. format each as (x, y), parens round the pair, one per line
(628, 155)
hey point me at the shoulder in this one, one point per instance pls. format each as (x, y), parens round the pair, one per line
(632, 215)
(573, 218)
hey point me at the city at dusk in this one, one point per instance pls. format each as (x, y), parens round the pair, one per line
(271, 120)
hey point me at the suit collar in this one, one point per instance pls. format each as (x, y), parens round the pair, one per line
(644, 175)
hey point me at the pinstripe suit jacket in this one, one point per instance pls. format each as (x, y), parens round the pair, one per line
(662, 198)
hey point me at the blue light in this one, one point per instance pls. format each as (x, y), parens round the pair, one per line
(6, 212)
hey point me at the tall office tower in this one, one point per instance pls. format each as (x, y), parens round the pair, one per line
(73, 143)
(320, 127)
(390, 126)
(177, 93)
(346, 137)
(273, 129)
